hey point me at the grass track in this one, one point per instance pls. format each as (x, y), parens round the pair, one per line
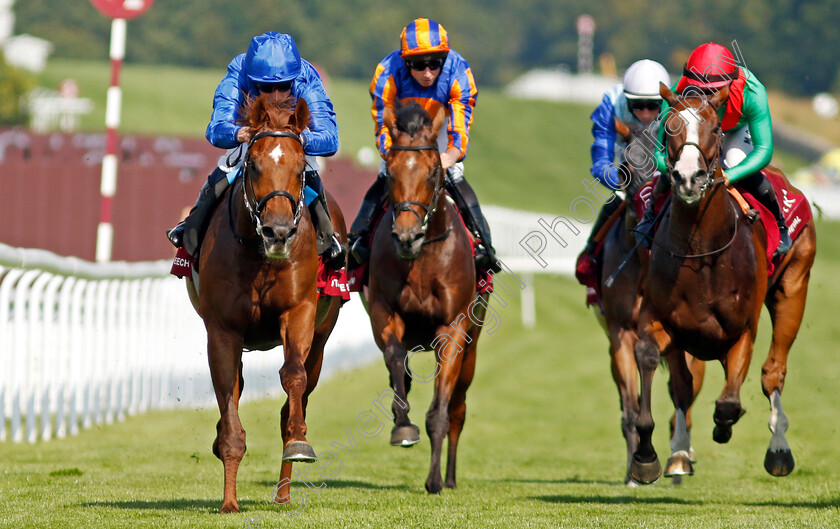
(541, 447)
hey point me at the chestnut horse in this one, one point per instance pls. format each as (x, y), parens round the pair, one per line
(258, 268)
(705, 286)
(422, 289)
(622, 298)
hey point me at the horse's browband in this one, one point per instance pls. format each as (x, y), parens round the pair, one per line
(414, 147)
(275, 133)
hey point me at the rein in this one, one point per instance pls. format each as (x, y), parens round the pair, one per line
(431, 207)
(254, 207)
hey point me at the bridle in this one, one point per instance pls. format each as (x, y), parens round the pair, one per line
(711, 181)
(431, 207)
(254, 207)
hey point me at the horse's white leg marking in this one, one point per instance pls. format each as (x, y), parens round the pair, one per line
(778, 424)
(681, 441)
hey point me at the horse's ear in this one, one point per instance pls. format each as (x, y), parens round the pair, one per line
(622, 129)
(301, 117)
(440, 118)
(667, 94)
(719, 99)
(389, 120)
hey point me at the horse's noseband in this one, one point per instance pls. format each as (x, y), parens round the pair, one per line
(257, 209)
(406, 205)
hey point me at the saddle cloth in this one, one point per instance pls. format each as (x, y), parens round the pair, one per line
(358, 277)
(330, 282)
(795, 207)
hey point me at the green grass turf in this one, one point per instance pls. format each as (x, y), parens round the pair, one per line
(541, 447)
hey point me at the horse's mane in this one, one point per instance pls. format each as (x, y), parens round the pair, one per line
(411, 118)
(272, 110)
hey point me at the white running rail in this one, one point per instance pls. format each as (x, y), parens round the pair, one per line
(84, 343)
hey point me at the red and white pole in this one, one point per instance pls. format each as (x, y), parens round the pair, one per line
(108, 186)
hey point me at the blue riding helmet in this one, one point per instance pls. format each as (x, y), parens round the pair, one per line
(272, 58)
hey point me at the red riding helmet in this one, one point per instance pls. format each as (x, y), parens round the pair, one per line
(710, 65)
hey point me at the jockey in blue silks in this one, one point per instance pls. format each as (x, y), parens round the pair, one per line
(635, 102)
(271, 63)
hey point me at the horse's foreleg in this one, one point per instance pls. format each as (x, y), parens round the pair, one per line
(786, 304)
(645, 468)
(682, 395)
(388, 329)
(626, 375)
(296, 329)
(458, 405)
(728, 407)
(224, 352)
(450, 356)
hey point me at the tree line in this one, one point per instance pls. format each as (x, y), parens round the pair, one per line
(790, 44)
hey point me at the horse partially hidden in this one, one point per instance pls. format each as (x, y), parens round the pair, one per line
(258, 268)
(705, 286)
(422, 287)
(622, 299)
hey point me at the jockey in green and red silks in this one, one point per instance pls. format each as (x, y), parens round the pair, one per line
(747, 145)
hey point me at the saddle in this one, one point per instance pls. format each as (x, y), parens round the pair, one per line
(357, 279)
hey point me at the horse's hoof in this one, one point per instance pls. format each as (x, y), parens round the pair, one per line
(405, 436)
(299, 452)
(778, 463)
(433, 486)
(679, 464)
(229, 507)
(722, 433)
(645, 473)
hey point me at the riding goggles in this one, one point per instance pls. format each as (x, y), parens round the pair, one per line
(432, 64)
(644, 104)
(271, 87)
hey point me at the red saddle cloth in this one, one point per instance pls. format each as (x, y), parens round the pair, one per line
(358, 278)
(330, 282)
(795, 207)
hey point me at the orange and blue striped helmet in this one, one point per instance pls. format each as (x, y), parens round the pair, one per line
(422, 37)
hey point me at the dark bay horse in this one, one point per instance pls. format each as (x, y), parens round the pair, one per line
(622, 299)
(258, 268)
(705, 286)
(422, 290)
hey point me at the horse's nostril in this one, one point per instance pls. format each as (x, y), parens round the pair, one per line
(268, 233)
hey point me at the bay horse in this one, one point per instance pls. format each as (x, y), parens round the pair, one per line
(706, 283)
(422, 287)
(622, 298)
(258, 268)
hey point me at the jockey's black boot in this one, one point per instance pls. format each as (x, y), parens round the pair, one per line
(329, 247)
(188, 233)
(644, 228)
(606, 212)
(765, 193)
(464, 196)
(357, 242)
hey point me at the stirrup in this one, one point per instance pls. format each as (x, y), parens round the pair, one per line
(358, 253)
(335, 255)
(485, 258)
(785, 243)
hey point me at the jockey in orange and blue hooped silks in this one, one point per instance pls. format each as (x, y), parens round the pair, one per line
(427, 71)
